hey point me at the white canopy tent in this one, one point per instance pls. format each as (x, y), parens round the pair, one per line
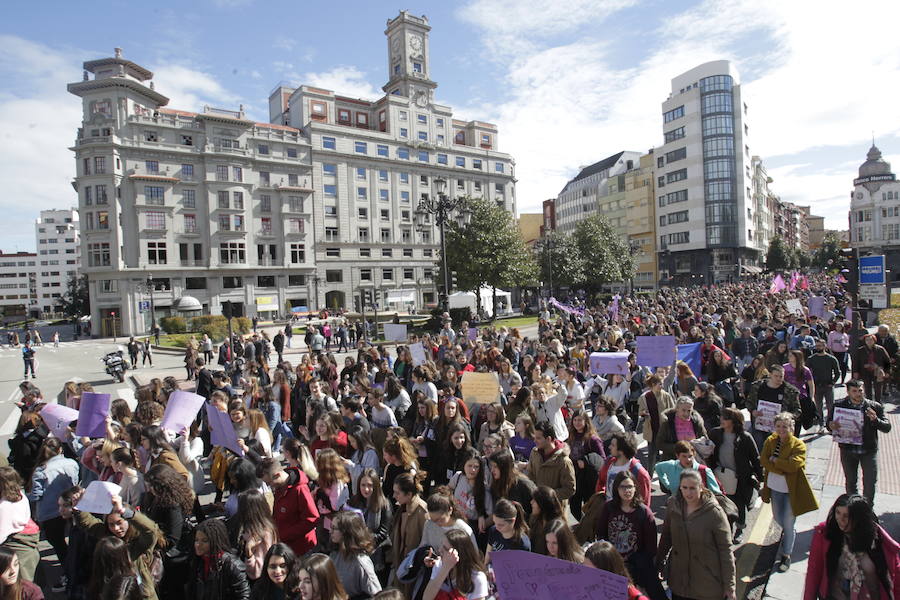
(463, 299)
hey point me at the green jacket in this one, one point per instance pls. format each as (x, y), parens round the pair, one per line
(140, 548)
(790, 401)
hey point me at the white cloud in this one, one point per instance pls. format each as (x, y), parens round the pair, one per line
(343, 80)
(815, 77)
(190, 89)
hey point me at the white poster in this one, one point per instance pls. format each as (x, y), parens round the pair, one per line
(395, 332)
(794, 307)
(417, 351)
(97, 498)
(768, 411)
(850, 421)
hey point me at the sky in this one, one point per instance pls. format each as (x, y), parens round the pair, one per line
(568, 82)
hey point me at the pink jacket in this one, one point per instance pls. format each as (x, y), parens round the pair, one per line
(816, 569)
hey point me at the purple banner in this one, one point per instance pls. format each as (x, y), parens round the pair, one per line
(816, 305)
(655, 350)
(572, 310)
(524, 575)
(181, 410)
(92, 415)
(221, 430)
(607, 363)
(472, 334)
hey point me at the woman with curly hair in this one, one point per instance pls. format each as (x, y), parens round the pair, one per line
(353, 545)
(216, 573)
(169, 500)
(333, 490)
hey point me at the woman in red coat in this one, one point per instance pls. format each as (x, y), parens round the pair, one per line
(294, 510)
(852, 557)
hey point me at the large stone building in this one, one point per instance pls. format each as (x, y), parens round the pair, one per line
(59, 255)
(18, 286)
(374, 160)
(186, 207)
(707, 221)
(597, 188)
(875, 211)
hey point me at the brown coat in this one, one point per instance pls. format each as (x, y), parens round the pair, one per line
(701, 564)
(664, 402)
(556, 471)
(167, 457)
(406, 532)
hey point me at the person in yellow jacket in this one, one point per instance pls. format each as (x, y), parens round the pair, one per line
(784, 460)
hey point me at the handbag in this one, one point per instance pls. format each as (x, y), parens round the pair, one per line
(156, 567)
(704, 447)
(727, 479)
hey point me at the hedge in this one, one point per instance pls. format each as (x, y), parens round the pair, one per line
(173, 324)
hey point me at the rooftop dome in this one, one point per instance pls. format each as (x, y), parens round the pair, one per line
(874, 165)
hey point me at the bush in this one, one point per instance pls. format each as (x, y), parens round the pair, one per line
(173, 324)
(216, 331)
(202, 321)
(241, 325)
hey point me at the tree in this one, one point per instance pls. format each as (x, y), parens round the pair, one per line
(778, 257)
(76, 301)
(559, 260)
(489, 251)
(828, 256)
(605, 254)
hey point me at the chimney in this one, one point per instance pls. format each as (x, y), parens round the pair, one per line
(118, 52)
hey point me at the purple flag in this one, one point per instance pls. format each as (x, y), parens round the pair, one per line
(92, 415)
(222, 432)
(567, 308)
(816, 305)
(524, 575)
(777, 284)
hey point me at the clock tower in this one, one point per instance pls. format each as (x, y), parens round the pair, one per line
(408, 56)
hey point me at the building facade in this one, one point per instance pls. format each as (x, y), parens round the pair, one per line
(597, 188)
(707, 221)
(374, 160)
(548, 210)
(875, 211)
(176, 205)
(529, 225)
(18, 286)
(58, 239)
(640, 217)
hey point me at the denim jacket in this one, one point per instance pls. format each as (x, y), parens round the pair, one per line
(48, 482)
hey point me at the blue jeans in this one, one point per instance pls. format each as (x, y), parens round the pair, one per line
(781, 511)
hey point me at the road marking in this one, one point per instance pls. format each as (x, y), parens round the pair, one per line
(9, 425)
(127, 394)
(755, 540)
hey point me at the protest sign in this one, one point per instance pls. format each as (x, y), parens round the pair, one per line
(851, 424)
(524, 575)
(794, 307)
(655, 350)
(766, 420)
(472, 334)
(816, 305)
(181, 410)
(395, 332)
(92, 415)
(97, 498)
(221, 430)
(417, 351)
(606, 363)
(57, 418)
(482, 388)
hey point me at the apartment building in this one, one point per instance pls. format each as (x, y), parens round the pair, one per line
(58, 242)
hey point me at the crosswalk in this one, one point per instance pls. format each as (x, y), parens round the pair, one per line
(6, 350)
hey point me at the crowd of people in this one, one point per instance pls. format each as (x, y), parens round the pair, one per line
(376, 478)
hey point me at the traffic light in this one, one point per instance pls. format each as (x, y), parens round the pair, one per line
(850, 268)
(367, 298)
(226, 309)
(453, 282)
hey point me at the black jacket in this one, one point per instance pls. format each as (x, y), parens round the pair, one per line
(278, 342)
(226, 581)
(24, 448)
(870, 427)
(204, 383)
(746, 460)
(379, 523)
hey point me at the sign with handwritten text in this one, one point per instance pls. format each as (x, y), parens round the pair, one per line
(524, 575)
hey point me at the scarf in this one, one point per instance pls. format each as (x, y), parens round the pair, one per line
(209, 563)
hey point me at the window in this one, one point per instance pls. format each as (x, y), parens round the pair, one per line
(673, 197)
(423, 136)
(365, 274)
(460, 161)
(88, 196)
(498, 167)
(224, 222)
(417, 67)
(331, 234)
(100, 165)
(265, 225)
(407, 253)
(362, 212)
(423, 156)
(719, 191)
(265, 203)
(404, 177)
(298, 253)
(156, 253)
(675, 134)
(365, 253)
(361, 173)
(296, 226)
(86, 166)
(334, 276)
(362, 193)
(498, 189)
(676, 176)
(232, 253)
(152, 166)
(404, 197)
(329, 169)
(423, 180)
(385, 236)
(187, 172)
(427, 252)
(459, 137)
(343, 116)
(385, 214)
(718, 146)
(190, 223)
(154, 195)
(295, 204)
(360, 147)
(403, 153)
(476, 163)
(381, 150)
(383, 195)
(676, 217)
(100, 194)
(102, 219)
(330, 211)
(477, 186)
(262, 148)
(98, 255)
(328, 143)
(675, 155)
(675, 113)
(716, 103)
(382, 176)
(330, 190)
(408, 274)
(238, 198)
(403, 116)
(442, 159)
(406, 235)
(238, 173)
(716, 82)
(155, 219)
(363, 233)
(296, 281)
(265, 178)
(221, 173)
(440, 139)
(292, 153)
(223, 200)
(718, 125)
(720, 213)
(718, 169)
(422, 119)
(890, 231)
(232, 282)
(333, 252)
(485, 140)
(387, 274)
(150, 136)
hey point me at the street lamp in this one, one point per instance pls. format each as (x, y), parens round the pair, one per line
(443, 209)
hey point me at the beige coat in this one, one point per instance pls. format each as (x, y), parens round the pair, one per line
(664, 401)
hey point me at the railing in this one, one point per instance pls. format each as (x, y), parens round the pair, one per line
(103, 139)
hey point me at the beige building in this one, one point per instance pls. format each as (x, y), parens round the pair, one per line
(816, 231)
(530, 227)
(640, 218)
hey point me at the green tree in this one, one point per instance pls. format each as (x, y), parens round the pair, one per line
(76, 301)
(605, 254)
(778, 257)
(559, 260)
(828, 256)
(489, 251)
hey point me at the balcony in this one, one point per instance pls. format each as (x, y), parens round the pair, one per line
(102, 139)
(192, 263)
(265, 233)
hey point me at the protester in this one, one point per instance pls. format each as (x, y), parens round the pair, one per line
(351, 557)
(458, 571)
(216, 573)
(549, 463)
(277, 566)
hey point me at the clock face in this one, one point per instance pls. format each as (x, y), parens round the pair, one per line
(415, 43)
(422, 99)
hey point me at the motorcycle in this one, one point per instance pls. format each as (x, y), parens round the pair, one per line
(116, 365)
